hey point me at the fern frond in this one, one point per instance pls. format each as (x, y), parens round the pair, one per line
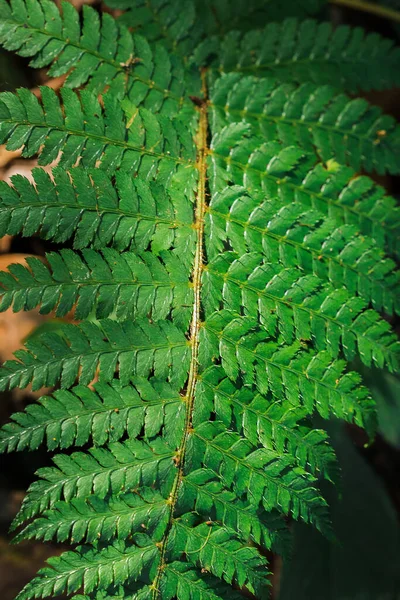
(180, 27)
(222, 16)
(85, 205)
(296, 237)
(245, 161)
(225, 264)
(289, 174)
(262, 476)
(262, 420)
(175, 25)
(120, 467)
(78, 350)
(105, 283)
(299, 307)
(204, 492)
(94, 519)
(291, 372)
(91, 568)
(217, 550)
(313, 117)
(116, 136)
(182, 581)
(74, 417)
(100, 53)
(135, 590)
(303, 51)
(177, 578)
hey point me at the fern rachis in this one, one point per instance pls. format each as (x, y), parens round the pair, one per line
(227, 263)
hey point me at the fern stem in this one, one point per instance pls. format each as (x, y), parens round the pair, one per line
(200, 209)
(369, 7)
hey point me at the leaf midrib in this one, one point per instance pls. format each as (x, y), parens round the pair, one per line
(198, 263)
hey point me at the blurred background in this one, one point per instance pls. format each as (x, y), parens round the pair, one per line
(364, 563)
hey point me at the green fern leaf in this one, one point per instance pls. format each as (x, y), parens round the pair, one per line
(73, 417)
(225, 263)
(286, 371)
(239, 158)
(293, 235)
(90, 568)
(307, 51)
(265, 477)
(94, 519)
(77, 351)
(101, 283)
(184, 582)
(123, 466)
(261, 419)
(203, 490)
(116, 136)
(100, 53)
(85, 205)
(299, 306)
(179, 27)
(350, 131)
(218, 551)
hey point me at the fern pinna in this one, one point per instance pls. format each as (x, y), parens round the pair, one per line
(224, 263)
